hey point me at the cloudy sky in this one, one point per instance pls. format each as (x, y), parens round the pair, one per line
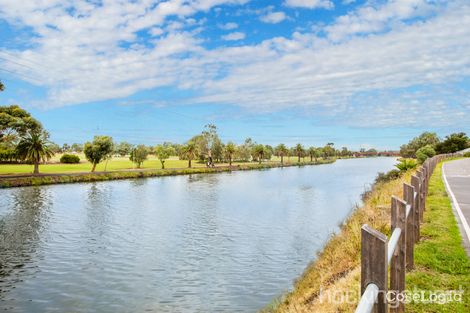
(357, 73)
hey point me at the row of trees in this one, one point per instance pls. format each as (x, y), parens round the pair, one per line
(201, 147)
(429, 144)
(23, 138)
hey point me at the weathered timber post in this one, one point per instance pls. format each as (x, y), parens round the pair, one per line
(416, 206)
(408, 192)
(426, 183)
(398, 261)
(419, 173)
(374, 264)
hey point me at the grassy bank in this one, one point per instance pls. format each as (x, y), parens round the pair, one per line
(441, 262)
(117, 164)
(114, 175)
(337, 267)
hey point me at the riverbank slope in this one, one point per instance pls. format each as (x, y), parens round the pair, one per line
(440, 260)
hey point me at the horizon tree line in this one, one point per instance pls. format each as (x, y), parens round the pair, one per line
(23, 139)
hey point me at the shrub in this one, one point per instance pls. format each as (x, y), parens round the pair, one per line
(386, 177)
(406, 164)
(467, 154)
(425, 152)
(69, 159)
(8, 155)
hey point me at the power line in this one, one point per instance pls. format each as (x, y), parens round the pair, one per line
(32, 63)
(26, 77)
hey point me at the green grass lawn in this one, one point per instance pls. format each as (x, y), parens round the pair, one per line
(441, 262)
(115, 164)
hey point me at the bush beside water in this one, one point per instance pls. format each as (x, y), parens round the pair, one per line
(386, 177)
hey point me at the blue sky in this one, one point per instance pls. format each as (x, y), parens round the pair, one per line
(357, 73)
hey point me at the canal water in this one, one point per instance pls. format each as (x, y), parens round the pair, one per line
(228, 242)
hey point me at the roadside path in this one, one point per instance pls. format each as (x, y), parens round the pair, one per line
(456, 176)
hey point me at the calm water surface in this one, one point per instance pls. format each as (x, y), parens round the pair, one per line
(203, 243)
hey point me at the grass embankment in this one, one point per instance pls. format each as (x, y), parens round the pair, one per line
(114, 175)
(441, 262)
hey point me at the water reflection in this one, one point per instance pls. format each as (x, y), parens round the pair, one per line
(21, 230)
(229, 242)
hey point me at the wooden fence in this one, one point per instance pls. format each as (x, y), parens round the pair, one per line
(378, 252)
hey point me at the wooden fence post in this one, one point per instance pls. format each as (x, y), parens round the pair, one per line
(425, 191)
(408, 192)
(374, 264)
(421, 194)
(416, 205)
(397, 266)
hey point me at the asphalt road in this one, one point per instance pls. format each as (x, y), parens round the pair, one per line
(457, 179)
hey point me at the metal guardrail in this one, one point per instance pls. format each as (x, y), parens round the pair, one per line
(378, 253)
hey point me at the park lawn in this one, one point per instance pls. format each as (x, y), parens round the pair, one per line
(441, 262)
(115, 164)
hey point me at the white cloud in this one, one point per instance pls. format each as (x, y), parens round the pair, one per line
(310, 4)
(228, 26)
(98, 56)
(369, 19)
(273, 17)
(234, 36)
(156, 31)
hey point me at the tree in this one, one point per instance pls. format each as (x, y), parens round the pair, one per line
(138, 155)
(2, 86)
(345, 152)
(313, 153)
(189, 151)
(98, 150)
(65, 147)
(55, 148)
(259, 151)
(163, 153)
(244, 150)
(427, 138)
(372, 152)
(230, 150)
(453, 143)
(202, 147)
(299, 151)
(77, 147)
(281, 150)
(425, 152)
(268, 152)
(208, 141)
(123, 148)
(328, 150)
(217, 149)
(16, 122)
(34, 148)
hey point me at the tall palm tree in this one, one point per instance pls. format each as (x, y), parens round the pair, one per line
(190, 151)
(259, 152)
(2, 87)
(35, 148)
(299, 151)
(281, 151)
(230, 149)
(313, 153)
